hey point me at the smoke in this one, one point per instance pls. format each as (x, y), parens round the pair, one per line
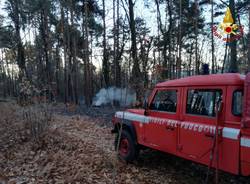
(124, 96)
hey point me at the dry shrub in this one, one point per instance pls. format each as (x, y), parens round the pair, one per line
(37, 119)
(8, 112)
(71, 107)
(27, 90)
(11, 129)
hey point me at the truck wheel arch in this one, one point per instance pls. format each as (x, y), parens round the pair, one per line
(126, 125)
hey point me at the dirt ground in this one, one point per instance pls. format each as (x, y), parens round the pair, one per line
(79, 149)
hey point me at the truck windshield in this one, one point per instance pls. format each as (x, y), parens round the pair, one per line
(237, 103)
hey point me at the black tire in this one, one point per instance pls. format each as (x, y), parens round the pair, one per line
(132, 151)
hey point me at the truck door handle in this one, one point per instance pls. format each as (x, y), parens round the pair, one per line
(209, 135)
(170, 128)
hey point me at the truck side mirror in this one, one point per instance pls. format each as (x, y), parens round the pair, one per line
(145, 107)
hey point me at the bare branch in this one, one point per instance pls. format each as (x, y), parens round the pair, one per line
(126, 11)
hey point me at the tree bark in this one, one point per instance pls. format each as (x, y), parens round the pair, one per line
(45, 38)
(118, 51)
(20, 50)
(65, 56)
(233, 66)
(58, 67)
(136, 73)
(249, 38)
(87, 73)
(197, 63)
(73, 69)
(179, 62)
(212, 34)
(170, 61)
(105, 64)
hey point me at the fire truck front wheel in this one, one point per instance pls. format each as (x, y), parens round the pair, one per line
(128, 150)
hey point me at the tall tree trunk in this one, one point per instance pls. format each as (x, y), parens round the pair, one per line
(225, 58)
(166, 40)
(65, 56)
(8, 82)
(105, 64)
(197, 63)
(249, 38)
(145, 49)
(45, 38)
(118, 51)
(114, 41)
(233, 66)
(69, 54)
(87, 73)
(58, 67)
(73, 69)
(136, 73)
(178, 64)
(20, 50)
(212, 34)
(170, 61)
(190, 60)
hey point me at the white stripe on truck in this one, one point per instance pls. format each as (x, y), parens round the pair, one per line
(245, 142)
(132, 116)
(230, 133)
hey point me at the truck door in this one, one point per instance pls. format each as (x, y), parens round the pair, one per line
(246, 104)
(163, 109)
(198, 122)
(245, 131)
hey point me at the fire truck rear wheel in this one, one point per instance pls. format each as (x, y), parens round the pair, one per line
(128, 149)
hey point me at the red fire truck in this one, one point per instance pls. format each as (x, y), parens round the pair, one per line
(204, 118)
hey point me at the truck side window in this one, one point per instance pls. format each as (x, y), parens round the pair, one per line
(237, 103)
(202, 102)
(164, 100)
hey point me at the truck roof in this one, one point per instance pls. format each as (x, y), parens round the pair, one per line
(206, 80)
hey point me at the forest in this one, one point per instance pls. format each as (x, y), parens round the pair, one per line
(70, 49)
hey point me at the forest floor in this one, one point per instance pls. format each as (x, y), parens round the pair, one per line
(78, 148)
